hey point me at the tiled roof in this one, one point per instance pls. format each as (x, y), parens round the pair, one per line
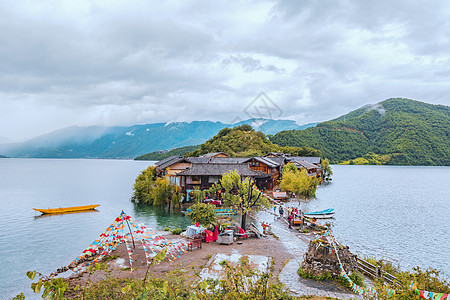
(265, 160)
(305, 164)
(217, 160)
(220, 169)
(213, 154)
(170, 163)
(310, 159)
(163, 161)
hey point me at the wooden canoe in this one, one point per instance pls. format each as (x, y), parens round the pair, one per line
(62, 210)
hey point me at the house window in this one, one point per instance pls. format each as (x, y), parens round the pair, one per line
(175, 180)
(195, 179)
(213, 179)
(254, 163)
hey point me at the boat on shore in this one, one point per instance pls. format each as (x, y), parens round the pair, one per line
(63, 210)
(323, 214)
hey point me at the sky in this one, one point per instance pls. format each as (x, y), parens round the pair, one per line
(120, 63)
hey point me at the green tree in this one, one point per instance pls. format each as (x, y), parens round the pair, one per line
(203, 213)
(298, 181)
(164, 193)
(326, 169)
(240, 194)
(152, 190)
(143, 185)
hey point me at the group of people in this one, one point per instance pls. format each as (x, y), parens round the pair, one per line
(292, 213)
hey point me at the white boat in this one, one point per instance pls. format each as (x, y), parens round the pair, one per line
(323, 216)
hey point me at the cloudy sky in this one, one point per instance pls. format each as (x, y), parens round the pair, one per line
(65, 63)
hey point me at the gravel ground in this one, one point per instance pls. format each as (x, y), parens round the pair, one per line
(193, 261)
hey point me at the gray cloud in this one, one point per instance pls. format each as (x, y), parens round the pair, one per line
(122, 63)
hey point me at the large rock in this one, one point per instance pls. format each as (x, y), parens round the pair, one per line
(321, 258)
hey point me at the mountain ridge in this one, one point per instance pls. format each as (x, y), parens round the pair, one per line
(126, 142)
(403, 131)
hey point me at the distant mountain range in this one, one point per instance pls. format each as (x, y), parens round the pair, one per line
(132, 141)
(395, 131)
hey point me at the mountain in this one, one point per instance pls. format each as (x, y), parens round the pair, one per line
(127, 142)
(244, 141)
(161, 154)
(395, 131)
(2, 156)
(270, 127)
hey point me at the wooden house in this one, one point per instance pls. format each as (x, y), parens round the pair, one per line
(202, 176)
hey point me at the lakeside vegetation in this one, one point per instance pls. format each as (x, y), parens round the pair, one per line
(150, 189)
(394, 132)
(429, 279)
(298, 181)
(160, 155)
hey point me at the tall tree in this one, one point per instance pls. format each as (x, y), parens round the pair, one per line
(143, 185)
(326, 169)
(150, 190)
(239, 193)
(298, 181)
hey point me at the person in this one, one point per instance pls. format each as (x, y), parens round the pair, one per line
(274, 209)
(290, 218)
(281, 211)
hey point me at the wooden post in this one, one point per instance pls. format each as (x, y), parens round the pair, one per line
(132, 238)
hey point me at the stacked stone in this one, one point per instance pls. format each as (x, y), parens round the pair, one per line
(321, 258)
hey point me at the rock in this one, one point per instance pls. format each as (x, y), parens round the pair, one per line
(320, 258)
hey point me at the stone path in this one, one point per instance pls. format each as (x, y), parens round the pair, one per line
(297, 244)
(304, 287)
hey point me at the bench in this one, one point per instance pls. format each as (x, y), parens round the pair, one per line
(196, 243)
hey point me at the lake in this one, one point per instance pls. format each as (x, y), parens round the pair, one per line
(398, 213)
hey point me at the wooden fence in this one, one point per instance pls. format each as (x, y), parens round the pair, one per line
(376, 272)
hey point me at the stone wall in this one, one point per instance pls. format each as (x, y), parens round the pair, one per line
(321, 258)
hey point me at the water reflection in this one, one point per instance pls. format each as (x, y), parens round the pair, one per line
(57, 215)
(159, 218)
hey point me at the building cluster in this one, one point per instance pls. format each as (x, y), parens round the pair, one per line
(199, 173)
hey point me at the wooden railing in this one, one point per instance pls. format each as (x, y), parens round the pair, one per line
(376, 272)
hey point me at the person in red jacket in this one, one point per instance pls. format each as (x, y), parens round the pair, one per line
(290, 218)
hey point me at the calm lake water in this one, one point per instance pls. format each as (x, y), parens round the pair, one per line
(399, 213)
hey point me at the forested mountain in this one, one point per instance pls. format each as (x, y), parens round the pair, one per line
(160, 155)
(129, 142)
(395, 131)
(244, 141)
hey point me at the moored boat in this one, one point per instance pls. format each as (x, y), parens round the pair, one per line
(323, 214)
(62, 210)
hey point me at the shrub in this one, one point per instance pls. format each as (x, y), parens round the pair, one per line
(177, 231)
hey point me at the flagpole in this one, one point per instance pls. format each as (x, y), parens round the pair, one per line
(132, 238)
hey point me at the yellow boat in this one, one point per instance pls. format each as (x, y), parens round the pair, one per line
(62, 210)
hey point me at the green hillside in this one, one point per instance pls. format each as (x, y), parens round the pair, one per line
(395, 131)
(160, 155)
(244, 141)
